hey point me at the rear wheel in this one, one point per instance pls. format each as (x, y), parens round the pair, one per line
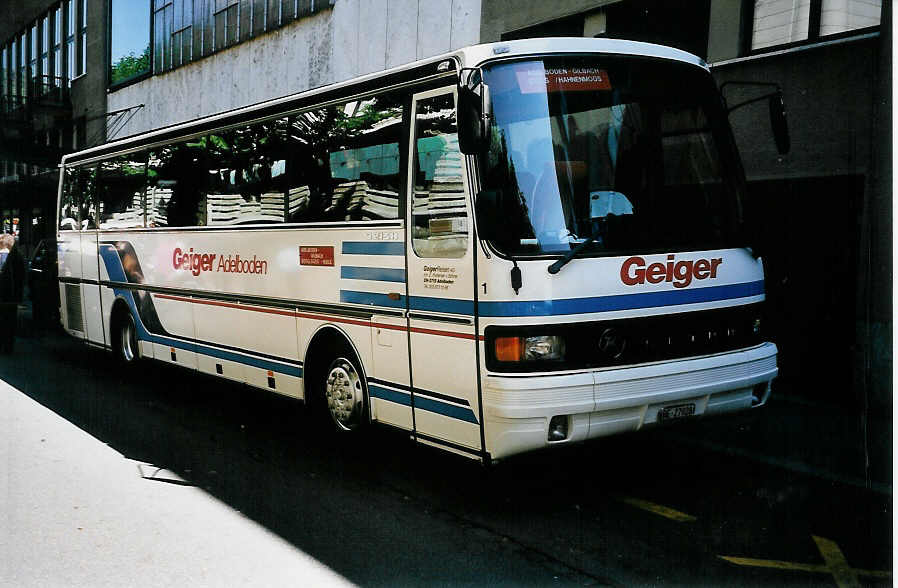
(125, 343)
(344, 393)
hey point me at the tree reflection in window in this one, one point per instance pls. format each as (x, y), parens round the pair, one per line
(344, 161)
(120, 191)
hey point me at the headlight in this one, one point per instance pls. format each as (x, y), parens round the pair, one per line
(539, 348)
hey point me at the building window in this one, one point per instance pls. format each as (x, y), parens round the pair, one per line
(33, 64)
(838, 16)
(227, 29)
(162, 25)
(129, 51)
(186, 30)
(23, 65)
(82, 33)
(182, 33)
(45, 46)
(56, 53)
(4, 68)
(70, 38)
(783, 22)
(11, 69)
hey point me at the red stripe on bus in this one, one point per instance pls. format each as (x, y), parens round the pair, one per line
(320, 317)
(444, 333)
(226, 305)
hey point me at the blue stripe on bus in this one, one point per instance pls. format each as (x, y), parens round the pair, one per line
(447, 305)
(405, 388)
(116, 273)
(562, 306)
(429, 404)
(416, 302)
(374, 247)
(621, 301)
(257, 362)
(371, 299)
(391, 395)
(379, 274)
(113, 263)
(449, 410)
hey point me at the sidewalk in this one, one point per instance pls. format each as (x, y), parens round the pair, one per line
(77, 513)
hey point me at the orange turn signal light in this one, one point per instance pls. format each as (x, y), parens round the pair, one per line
(509, 348)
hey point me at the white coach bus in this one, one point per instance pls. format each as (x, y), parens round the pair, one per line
(508, 247)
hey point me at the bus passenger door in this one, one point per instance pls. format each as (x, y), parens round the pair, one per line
(90, 262)
(69, 266)
(441, 280)
(90, 288)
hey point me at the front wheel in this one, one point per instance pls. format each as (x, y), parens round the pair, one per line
(344, 394)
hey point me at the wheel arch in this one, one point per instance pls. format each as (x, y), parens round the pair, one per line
(119, 308)
(322, 343)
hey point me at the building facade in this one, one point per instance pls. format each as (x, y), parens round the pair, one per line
(51, 102)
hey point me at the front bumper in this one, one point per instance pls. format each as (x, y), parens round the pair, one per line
(518, 407)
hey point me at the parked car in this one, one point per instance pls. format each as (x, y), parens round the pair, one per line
(43, 288)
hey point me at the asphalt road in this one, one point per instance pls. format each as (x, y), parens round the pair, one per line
(648, 509)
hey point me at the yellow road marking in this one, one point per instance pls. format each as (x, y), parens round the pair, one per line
(657, 509)
(836, 562)
(774, 563)
(836, 565)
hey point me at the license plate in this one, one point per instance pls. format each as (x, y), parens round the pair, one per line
(676, 412)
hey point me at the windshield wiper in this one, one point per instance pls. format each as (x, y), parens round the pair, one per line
(556, 267)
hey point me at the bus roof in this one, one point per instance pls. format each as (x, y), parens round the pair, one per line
(477, 55)
(472, 56)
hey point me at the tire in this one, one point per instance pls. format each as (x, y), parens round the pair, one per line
(126, 349)
(343, 393)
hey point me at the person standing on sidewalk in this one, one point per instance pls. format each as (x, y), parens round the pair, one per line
(12, 285)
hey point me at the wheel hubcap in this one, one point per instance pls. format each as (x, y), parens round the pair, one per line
(343, 391)
(128, 351)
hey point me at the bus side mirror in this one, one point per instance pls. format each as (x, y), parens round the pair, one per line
(487, 207)
(778, 122)
(776, 105)
(473, 112)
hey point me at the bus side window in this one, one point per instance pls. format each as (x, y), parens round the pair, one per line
(439, 213)
(306, 179)
(174, 188)
(86, 183)
(246, 167)
(120, 191)
(69, 201)
(344, 161)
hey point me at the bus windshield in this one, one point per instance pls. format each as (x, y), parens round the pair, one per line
(611, 154)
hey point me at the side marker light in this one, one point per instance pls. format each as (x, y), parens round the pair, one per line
(509, 348)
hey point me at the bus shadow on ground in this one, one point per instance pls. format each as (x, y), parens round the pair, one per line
(379, 509)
